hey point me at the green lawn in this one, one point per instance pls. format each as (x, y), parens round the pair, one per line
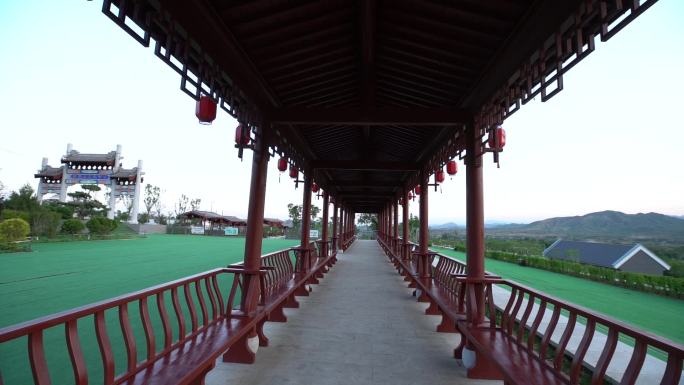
(663, 316)
(60, 276)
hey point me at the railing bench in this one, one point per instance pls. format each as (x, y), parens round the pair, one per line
(210, 327)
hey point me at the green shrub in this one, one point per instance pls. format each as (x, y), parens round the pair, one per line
(72, 226)
(101, 225)
(9, 214)
(45, 222)
(14, 229)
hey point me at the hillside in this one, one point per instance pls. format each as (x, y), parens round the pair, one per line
(603, 225)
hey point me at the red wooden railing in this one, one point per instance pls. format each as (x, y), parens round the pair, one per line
(203, 299)
(525, 310)
(197, 302)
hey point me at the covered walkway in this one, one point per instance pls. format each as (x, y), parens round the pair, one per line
(355, 328)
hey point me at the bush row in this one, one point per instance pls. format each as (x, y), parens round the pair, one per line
(663, 285)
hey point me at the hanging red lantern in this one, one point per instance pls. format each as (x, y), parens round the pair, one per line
(293, 172)
(205, 110)
(282, 164)
(314, 187)
(452, 167)
(410, 196)
(417, 190)
(401, 201)
(240, 137)
(439, 176)
(497, 138)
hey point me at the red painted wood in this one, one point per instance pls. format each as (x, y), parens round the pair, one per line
(191, 306)
(75, 353)
(212, 299)
(604, 359)
(36, 350)
(129, 338)
(105, 347)
(147, 327)
(563, 342)
(578, 358)
(635, 363)
(164, 316)
(200, 299)
(535, 325)
(548, 333)
(180, 318)
(219, 295)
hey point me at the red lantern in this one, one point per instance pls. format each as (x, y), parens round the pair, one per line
(314, 187)
(439, 176)
(293, 172)
(452, 167)
(401, 201)
(239, 138)
(410, 196)
(282, 164)
(497, 135)
(417, 190)
(205, 110)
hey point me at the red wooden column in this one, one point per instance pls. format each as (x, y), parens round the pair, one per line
(324, 230)
(395, 205)
(341, 236)
(244, 350)
(306, 221)
(255, 223)
(423, 267)
(405, 227)
(334, 226)
(478, 366)
(475, 215)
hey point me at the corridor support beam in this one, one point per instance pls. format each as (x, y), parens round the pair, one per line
(334, 226)
(424, 268)
(405, 227)
(304, 251)
(324, 226)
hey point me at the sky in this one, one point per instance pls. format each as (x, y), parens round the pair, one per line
(611, 140)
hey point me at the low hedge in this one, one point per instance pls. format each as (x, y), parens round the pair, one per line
(663, 285)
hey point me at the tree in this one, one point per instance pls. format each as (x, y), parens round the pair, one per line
(15, 229)
(181, 206)
(91, 187)
(84, 206)
(314, 212)
(370, 220)
(143, 218)
(101, 225)
(23, 200)
(151, 200)
(295, 213)
(72, 226)
(195, 204)
(45, 222)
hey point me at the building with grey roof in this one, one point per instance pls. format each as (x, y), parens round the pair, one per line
(633, 258)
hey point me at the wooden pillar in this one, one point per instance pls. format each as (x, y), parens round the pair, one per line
(424, 270)
(306, 219)
(335, 227)
(395, 206)
(405, 228)
(255, 222)
(475, 215)
(324, 226)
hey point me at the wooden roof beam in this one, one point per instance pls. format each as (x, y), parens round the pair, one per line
(383, 116)
(363, 165)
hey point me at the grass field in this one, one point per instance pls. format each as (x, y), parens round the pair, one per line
(60, 276)
(660, 315)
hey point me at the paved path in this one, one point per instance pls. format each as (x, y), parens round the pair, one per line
(359, 326)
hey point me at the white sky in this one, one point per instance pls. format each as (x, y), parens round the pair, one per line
(610, 141)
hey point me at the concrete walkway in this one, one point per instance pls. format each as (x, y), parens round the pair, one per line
(359, 326)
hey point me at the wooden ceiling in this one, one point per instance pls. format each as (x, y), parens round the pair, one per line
(368, 93)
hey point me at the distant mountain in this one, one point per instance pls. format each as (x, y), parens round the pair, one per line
(446, 226)
(602, 225)
(678, 217)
